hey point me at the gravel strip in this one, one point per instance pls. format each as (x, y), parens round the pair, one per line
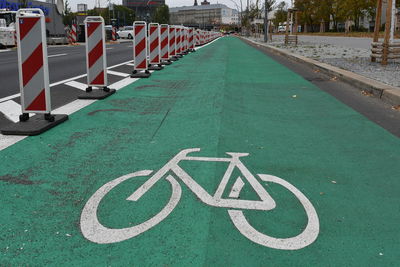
(349, 58)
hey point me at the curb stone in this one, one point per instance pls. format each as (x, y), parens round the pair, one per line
(387, 93)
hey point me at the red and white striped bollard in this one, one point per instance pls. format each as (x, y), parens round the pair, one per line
(96, 59)
(154, 47)
(140, 50)
(164, 44)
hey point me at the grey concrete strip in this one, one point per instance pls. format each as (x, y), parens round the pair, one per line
(387, 93)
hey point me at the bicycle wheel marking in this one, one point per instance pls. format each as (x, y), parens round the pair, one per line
(94, 231)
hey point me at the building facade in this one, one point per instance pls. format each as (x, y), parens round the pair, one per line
(143, 8)
(205, 15)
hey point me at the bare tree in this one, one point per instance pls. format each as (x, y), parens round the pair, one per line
(268, 7)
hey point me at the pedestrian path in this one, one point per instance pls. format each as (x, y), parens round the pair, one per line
(62, 204)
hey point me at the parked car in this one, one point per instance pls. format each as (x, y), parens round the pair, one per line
(282, 29)
(108, 29)
(125, 33)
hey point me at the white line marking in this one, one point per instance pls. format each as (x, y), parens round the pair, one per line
(7, 50)
(236, 188)
(109, 48)
(130, 64)
(57, 55)
(64, 81)
(11, 110)
(9, 97)
(77, 85)
(121, 84)
(73, 107)
(116, 73)
(9, 140)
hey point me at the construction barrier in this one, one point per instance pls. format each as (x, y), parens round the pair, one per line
(191, 40)
(140, 50)
(183, 41)
(114, 34)
(154, 47)
(33, 75)
(164, 44)
(172, 43)
(178, 41)
(96, 59)
(186, 39)
(74, 33)
(197, 37)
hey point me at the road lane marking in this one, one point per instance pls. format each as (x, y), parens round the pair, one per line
(125, 82)
(117, 73)
(11, 110)
(109, 48)
(77, 85)
(7, 50)
(9, 140)
(65, 81)
(9, 97)
(57, 55)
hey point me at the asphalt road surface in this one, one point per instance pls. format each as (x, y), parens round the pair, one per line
(64, 62)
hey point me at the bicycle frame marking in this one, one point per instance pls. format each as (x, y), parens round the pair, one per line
(266, 203)
(94, 231)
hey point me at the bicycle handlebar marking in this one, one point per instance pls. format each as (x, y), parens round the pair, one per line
(94, 231)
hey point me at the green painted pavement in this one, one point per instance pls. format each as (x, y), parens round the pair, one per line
(226, 97)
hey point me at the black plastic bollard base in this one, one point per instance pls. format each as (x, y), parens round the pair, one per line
(138, 74)
(34, 125)
(174, 58)
(155, 67)
(166, 62)
(97, 94)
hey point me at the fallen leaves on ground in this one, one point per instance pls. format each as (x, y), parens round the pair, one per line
(366, 93)
(396, 107)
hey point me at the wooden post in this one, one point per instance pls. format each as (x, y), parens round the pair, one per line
(287, 28)
(377, 24)
(296, 23)
(387, 32)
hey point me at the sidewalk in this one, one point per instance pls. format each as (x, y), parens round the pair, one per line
(216, 100)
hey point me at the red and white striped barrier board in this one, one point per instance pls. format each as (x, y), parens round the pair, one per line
(191, 39)
(69, 36)
(73, 33)
(183, 39)
(196, 37)
(202, 42)
(140, 50)
(172, 42)
(186, 37)
(32, 62)
(178, 40)
(96, 61)
(154, 41)
(164, 42)
(140, 45)
(114, 34)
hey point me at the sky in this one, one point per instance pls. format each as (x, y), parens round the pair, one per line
(170, 3)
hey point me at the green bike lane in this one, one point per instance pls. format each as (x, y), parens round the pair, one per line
(226, 97)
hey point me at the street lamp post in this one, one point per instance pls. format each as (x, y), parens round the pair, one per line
(266, 7)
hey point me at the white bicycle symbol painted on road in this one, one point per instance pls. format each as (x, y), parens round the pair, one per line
(94, 231)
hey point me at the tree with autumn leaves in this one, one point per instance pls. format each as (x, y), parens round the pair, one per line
(312, 12)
